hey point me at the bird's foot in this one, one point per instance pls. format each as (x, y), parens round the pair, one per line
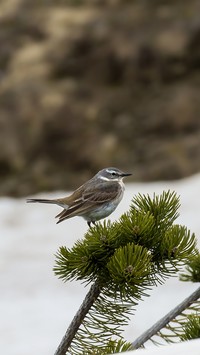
(91, 222)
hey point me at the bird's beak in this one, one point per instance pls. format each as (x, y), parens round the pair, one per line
(126, 174)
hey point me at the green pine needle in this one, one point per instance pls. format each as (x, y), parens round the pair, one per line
(192, 269)
(130, 270)
(164, 208)
(191, 328)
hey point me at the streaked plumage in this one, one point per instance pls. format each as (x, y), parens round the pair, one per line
(94, 200)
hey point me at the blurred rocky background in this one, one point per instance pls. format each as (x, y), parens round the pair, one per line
(90, 84)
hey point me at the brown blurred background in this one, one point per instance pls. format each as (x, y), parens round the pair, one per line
(90, 84)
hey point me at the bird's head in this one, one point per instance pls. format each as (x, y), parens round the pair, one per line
(111, 174)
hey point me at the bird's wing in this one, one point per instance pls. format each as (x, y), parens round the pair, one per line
(101, 193)
(85, 200)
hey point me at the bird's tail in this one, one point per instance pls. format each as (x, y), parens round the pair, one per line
(40, 200)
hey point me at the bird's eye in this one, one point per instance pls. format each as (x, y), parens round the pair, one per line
(113, 174)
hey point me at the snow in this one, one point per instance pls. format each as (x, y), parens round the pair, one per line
(184, 348)
(36, 307)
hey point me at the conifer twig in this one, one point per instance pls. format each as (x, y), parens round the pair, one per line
(89, 300)
(166, 319)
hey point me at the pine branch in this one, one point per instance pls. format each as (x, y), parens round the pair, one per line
(90, 298)
(123, 260)
(166, 319)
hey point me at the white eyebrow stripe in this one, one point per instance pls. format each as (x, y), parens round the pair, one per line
(111, 171)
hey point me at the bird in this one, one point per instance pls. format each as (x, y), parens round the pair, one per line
(94, 200)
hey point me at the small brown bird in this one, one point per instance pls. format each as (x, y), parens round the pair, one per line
(94, 200)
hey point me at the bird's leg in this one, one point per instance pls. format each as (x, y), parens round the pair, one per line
(89, 223)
